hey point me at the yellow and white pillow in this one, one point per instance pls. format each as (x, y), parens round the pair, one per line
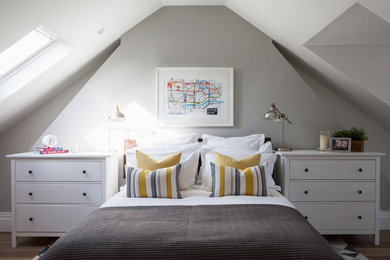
(160, 183)
(208, 155)
(231, 181)
(145, 161)
(226, 160)
(189, 160)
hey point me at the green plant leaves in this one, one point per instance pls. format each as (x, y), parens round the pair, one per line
(354, 133)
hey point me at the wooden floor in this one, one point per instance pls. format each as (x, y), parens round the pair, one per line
(365, 245)
(29, 247)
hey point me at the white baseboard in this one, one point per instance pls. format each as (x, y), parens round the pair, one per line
(6, 218)
(5, 221)
(384, 220)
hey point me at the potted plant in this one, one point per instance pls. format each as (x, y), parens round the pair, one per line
(357, 135)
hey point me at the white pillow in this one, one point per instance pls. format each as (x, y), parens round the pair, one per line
(207, 156)
(268, 160)
(250, 142)
(154, 141)
(189, 160)
(266, 148)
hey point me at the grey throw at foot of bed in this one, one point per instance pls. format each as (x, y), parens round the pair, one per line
(193, 232)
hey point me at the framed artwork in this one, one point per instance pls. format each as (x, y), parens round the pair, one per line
(340, 144)
(195, 97)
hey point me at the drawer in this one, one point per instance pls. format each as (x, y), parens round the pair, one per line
(46, 170)
(332, 169)
(332, 191)
(340, 216)
(58, 193)
(50, 218)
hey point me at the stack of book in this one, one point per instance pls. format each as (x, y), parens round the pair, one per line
(50, 150)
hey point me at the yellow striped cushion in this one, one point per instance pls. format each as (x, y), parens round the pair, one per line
(225, 160)
(160, 183)
(231, 181)
(144, 161)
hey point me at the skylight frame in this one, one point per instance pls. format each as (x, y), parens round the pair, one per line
(25, 61)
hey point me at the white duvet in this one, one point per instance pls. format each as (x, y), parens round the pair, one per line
(193, 197)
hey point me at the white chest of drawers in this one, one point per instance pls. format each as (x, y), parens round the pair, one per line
(338, 193)
(53, 193)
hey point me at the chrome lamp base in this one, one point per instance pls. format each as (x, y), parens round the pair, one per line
(283, 149)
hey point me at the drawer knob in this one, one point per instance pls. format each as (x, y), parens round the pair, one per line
(30, 172)
(359, 217)
(31, 219)
(306, 217)
(30, 194)
(360, 170)
(306, 169)
(306, 192)
(84, 171)
(360, 191)
(84, 194)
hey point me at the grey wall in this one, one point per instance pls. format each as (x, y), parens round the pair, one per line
(21, 136)
(195, 37)
(199, 36)
(348, 115)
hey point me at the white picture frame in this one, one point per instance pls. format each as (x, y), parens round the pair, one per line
(195, 97)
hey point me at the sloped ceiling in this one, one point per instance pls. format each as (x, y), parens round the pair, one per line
(357, 43)
(76, 22)
(346, 40)
(356, 26)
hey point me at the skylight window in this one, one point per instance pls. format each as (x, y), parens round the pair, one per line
(28, 58)
(24, 50)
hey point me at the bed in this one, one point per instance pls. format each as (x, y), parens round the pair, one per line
(196, 226)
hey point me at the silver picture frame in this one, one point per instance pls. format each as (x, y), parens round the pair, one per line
(340, 144)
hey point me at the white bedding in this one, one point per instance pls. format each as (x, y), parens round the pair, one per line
(193, 197)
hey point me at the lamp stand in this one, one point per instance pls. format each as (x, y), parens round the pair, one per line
(283, 149)
(110, 150)
(115, 116)
(109, 135)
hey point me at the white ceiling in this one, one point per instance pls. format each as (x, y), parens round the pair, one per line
(301, 26)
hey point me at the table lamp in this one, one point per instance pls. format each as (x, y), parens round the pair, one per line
(275, 115)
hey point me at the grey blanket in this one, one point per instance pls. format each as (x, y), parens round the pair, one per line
(193, 232)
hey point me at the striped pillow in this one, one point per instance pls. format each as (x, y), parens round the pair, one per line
(160, 183)
(230, 181)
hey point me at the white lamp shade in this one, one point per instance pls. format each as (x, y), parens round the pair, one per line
(116, 115)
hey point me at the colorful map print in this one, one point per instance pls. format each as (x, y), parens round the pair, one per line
(194, 96)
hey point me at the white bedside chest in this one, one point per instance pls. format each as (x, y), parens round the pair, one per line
(338, 193)
(53, 193)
